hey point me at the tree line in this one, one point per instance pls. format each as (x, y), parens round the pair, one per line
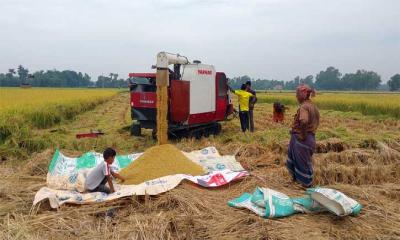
(329, 79)
(55, 78)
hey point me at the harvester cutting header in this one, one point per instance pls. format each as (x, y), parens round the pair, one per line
(187, 101)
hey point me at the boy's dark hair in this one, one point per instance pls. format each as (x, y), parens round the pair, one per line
(248, 83)
(243, 87)
(109, 152)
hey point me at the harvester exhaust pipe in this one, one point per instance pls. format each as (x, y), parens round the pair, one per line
(164, 59)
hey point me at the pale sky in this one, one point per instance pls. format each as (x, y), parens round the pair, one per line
(273, 39)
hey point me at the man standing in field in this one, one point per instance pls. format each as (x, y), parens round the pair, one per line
(101, 174)
(252, 102)
(302, 142)
(244, 100)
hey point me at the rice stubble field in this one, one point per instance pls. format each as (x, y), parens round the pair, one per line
(356, 154)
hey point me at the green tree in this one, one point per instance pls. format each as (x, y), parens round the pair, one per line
(2, 79)
(22, 74)
(10, 80)
(103, 81)
(394, 82)
(292, 85)
(86, 80)
(236, 82)
(361, 80)
(308, 80)
(50, 78)
(328, 79)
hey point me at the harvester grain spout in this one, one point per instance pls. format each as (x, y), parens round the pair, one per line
(162, 81)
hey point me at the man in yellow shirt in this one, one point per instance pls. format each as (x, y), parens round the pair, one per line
(244, 99)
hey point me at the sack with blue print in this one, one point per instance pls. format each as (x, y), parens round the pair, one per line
(306, 204)
(335, 201)
(276, 204)
(265, 202)
(268, 203)
(244, 201)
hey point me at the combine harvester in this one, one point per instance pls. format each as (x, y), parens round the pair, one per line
(195, 99)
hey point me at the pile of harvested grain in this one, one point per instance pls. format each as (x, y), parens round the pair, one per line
(159, 161)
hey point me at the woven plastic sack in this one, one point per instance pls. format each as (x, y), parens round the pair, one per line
(276, 204)
(306, 204)
(335, 201)
(244, 201)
